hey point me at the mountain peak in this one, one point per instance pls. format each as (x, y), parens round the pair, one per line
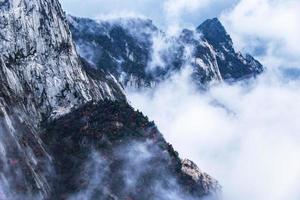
(213, 21)
(214, 32)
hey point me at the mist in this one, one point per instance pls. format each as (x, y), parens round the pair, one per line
(137, 164)
(246, 135)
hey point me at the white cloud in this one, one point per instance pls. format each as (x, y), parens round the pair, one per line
(119, 15)
(175, 9)
(115, 8)
(168, 14)
(273, 24)
(251, 146)
(190, 13)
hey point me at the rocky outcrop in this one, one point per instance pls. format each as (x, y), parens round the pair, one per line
(209, 184)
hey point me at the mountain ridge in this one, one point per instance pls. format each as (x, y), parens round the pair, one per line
(152, 56)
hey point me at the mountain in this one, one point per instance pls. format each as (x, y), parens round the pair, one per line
(110, 151)
(138, 54)
(66, 128)
(231, 64)
(122, 51)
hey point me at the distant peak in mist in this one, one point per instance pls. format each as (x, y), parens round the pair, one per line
(214, 32)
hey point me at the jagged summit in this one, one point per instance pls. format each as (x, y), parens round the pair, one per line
(233, 65)
(214, 32)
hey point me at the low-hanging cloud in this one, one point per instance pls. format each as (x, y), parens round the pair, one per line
(137, 163)
(247, 136)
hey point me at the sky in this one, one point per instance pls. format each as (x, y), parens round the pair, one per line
(268, 29)
(162, 12)
(251, 143)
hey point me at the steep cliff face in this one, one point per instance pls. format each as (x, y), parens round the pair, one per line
(39, 61)
(42, 79)
(140, 55)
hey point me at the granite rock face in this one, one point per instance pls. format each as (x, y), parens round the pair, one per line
(41, 77)
(39, 61)
(231, 64)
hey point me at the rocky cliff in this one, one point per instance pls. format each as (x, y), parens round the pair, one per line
(41, 77)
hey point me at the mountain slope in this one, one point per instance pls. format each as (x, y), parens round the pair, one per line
(232, 65)
(46, 86)
(140, 55)
(110, 151)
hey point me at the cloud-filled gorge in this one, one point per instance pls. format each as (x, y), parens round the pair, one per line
(245, 135)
